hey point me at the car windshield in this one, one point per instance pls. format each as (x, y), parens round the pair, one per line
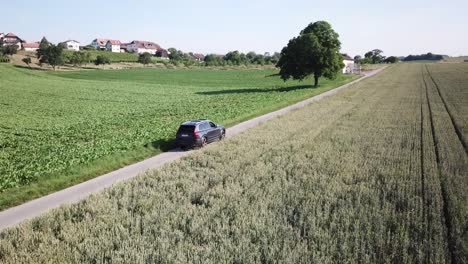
(186, 129)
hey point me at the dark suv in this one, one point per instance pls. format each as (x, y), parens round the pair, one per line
(198, 133)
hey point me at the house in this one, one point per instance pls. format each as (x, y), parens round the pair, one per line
(99, 44)
(349, 66)
(113, 45)
(198, 56)
(31, 46)
(139, 47)
(71, 45)
(12, 39)
(124, 47)
(2, 35)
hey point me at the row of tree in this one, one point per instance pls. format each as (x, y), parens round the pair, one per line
(375, 57)
(428, 56)
(231, 58)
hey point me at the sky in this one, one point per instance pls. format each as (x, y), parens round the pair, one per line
(399, 28)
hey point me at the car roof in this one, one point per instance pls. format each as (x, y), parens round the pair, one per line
(195, 122)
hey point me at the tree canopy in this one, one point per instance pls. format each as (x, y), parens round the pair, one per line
(144, 58)
(373, 57)
(50, 54)
(314, 52)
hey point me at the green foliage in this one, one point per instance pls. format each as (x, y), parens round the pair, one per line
(391, 59)
(373, 57)
(114, 57)
(428, 56)
(26, 60)
(358, 59)
(51, 54)
(79, 57)
(9, 50)
(353, 178)
(4, 59)
(102, 59)
(314, 52)
(81, 117)
(145, 58)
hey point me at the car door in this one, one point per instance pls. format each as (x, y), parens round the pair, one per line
(215, 132)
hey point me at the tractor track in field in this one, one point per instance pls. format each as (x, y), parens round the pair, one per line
(442, 181)
(454, 123)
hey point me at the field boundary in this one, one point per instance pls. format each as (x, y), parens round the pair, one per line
(73, 194)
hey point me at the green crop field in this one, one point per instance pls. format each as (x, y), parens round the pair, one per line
(374, 174)
(57, 129)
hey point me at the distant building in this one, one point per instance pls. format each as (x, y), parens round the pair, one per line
(124, 47)
(99, 44)
(11, 39)
(139, 47)
(349, 65)
(31, 46)
(198, 56)
(71, 45)
(113, 45)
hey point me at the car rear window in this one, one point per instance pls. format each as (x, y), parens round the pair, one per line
(186, 129)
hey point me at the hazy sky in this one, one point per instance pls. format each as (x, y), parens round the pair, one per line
(216, 26)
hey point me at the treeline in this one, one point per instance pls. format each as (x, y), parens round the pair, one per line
(428, 56)
(239, 58)
(233, 58)
(375, 56)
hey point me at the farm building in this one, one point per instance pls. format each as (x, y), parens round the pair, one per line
(12, 39)
(349, 65)
(139, 47)
(71, 45)
(113, 45)
(31, 46)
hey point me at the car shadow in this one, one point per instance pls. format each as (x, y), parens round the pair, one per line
(164, 145)
(256, 90)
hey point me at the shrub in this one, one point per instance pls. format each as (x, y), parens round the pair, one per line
(101, 59)
(4, 59)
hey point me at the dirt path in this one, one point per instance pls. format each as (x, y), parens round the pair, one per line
(75, 193)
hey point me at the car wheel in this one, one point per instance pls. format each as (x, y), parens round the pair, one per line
(223, 135)
(203, 142)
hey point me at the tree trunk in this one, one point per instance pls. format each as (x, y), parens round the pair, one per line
(316, 80)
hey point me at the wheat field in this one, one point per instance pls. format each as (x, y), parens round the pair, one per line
(374, 174)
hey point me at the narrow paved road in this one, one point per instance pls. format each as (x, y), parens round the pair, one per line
(75, 193)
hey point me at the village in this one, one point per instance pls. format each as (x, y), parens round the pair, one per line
(135, 47)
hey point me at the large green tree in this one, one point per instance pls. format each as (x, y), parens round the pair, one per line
(316, 51)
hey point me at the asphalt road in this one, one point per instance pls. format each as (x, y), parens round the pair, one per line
(15, 215)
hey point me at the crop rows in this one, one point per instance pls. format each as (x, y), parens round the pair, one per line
(445, 93)
(366, 176)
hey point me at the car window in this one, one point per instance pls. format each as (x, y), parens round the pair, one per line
(204, 126)
(186, 129)
(212, 124)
